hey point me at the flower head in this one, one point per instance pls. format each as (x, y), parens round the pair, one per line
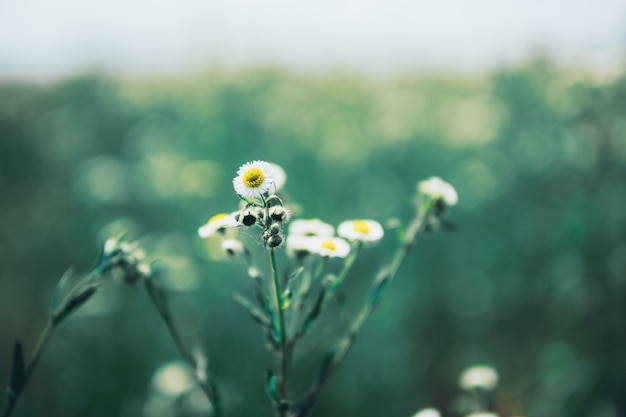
(218, 223)
(332, 247)
(253, 179)
(484, 377)
(438, 189)
(428, 412)
(363, 230)
(310, 227)
(298, 244)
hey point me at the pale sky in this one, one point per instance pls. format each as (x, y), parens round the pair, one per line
(40, 38)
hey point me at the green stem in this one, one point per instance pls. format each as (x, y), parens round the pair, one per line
(347, 266)
(346, 343)
(36, 355)
(281, 318)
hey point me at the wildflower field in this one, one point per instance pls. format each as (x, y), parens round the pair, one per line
(264, 242)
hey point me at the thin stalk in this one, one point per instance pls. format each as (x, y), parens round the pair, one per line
(281, 318)
(208, 387)
(36, 355)
(346, 343)
(347, 266)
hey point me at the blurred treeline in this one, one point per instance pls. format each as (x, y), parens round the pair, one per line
(532, 282)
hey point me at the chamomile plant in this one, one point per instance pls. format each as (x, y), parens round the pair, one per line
(287, 305)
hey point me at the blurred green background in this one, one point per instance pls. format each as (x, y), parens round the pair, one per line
(533, 281)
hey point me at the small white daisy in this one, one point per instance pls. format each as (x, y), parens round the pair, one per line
(436, 188)
(332, 247)
(311, 227)
(363, 230)
(254, 179)
(298, 243)
(218, 223)
(484, 377)
(233, 247)
(428, 412)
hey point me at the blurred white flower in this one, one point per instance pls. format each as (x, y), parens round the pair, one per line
(233, 247)
(436, 188)
(173, 379)
(428, 412)
(311, 227)
(280, 176)
(484, 377)
(332, 247)
(298, 243)
(218, 223)
(253, 179)
(363, 230)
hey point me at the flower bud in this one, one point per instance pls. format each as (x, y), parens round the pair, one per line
(279, 214)
(274, 241)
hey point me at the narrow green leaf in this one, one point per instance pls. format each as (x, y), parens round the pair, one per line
(18, 368)
(295, 274)
(75, 302)
(380, 283)
(271, 387)
(57, 296)
(286, 297)
(259, 295)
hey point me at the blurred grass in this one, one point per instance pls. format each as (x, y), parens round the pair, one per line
(532, 282)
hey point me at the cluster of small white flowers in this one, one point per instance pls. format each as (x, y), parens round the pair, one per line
(317, 237)
(256, 183)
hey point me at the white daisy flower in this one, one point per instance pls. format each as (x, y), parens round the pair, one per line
(484, 377)
(332, 247)
(311, 227)
(280, 176)
(363, 230)
(233, 247)
(218, 223)
(254, 179)
(428, 412)
(436, 188)
(298, 243)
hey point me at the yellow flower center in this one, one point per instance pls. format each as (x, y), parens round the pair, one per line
(360, 226)
(253, 177)
(217, 217)
(329, 244)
